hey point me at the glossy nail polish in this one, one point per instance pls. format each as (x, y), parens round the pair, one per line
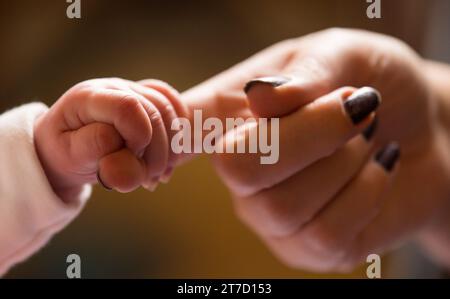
(388, 156)
(362, 103)
(272, 81)
(370, 130)
(103, 184)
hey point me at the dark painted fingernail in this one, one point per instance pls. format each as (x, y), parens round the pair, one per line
(388, 156)
(102, 184)
(370, 130)
(361, 103)
(273, 81)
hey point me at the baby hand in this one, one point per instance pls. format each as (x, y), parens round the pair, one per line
(113, 131)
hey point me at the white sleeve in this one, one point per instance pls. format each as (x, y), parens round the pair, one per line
(30, 212)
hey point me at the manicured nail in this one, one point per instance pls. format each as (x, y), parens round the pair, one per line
(102, 184)
(165, 177)
(273, 81)
(370, 130)
(388, 156)
(361, 103)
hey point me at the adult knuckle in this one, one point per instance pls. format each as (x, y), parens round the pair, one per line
(292, 261)
(276, 215)
(236, 174)
(299, 259)
(321, 238)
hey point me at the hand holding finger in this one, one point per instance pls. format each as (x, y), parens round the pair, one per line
(313, 132)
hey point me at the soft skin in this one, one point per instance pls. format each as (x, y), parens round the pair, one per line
(327, 205)
(114, 127)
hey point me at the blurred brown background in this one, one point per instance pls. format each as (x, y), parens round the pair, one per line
(186, 229)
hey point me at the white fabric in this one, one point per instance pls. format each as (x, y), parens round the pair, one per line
(30, 212)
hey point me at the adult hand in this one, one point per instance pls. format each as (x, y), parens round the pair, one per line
(327, 203)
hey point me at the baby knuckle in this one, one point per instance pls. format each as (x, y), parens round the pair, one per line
(86, 84)
(164, 85)
(157, 120)
(115, 80)
(80, 93)
(341, 34)
(104, 139)
(168, 112)
(129, 107)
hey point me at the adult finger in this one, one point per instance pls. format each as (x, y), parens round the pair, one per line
(326, 242)
(339, 224)
(282, 209)
(315, 131)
